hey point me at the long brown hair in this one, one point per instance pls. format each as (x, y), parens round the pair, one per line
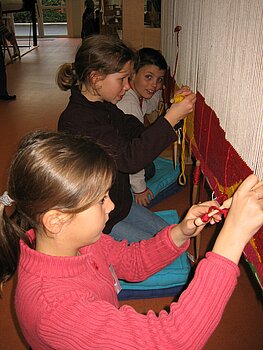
(50, 171)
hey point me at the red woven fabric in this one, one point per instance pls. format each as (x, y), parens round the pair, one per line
(222, 167)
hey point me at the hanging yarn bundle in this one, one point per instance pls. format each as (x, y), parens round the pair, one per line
(182, 177)
(171, 89)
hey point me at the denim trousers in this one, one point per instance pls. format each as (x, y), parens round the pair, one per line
(138, 225)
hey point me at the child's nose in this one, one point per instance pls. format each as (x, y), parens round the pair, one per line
(110, 205)
(126, 85)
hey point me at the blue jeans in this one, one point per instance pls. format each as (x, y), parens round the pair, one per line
(140, 224)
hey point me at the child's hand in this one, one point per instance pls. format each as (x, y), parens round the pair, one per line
(144, 198)
(182, 91)
(187, 228)
(244, 219)
(247, 208)
(179, 110)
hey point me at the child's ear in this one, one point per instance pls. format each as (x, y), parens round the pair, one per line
(95, 77)
(132, 75)
(53, 220)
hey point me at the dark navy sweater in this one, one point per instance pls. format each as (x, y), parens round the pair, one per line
(133, 145)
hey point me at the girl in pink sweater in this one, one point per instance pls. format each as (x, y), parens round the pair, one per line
(68, 270)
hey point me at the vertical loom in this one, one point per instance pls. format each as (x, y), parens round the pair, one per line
(223, 64)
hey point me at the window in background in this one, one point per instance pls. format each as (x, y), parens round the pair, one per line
(152, 13)
(51, 19)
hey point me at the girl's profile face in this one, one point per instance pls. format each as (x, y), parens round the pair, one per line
(147, 81)
(114, 86)
(86, 227)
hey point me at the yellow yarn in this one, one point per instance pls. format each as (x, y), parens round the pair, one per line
(177, 98)
(253, 243)
(229, 191)
(182, 177)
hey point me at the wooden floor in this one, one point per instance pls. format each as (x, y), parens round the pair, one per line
(38, 106)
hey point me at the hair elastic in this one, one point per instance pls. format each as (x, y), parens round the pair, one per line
(6, 200)
(73, 68)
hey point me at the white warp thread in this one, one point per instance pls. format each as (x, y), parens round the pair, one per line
(220, 55)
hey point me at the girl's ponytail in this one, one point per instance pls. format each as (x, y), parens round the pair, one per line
(10, 234)
(66, 76)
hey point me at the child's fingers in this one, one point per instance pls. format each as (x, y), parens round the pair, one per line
(186, 93)
(199, 209)
(189, 100)
(248, 183)
(151, 194)
(183, 91)
(191, 96)
(212, 221)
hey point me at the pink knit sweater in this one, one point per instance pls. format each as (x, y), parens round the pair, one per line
(71, 302)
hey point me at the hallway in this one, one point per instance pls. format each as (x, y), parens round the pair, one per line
(39, 100)
(38, 105)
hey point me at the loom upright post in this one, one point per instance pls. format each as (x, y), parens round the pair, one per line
(195, 200)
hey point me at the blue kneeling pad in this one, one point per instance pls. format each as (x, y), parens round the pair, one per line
(164, 183)
(170, 281)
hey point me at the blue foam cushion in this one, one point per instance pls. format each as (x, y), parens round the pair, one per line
(174, 275)
(170, 216)
(165, 175)
(168, 191)
(127, 294)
